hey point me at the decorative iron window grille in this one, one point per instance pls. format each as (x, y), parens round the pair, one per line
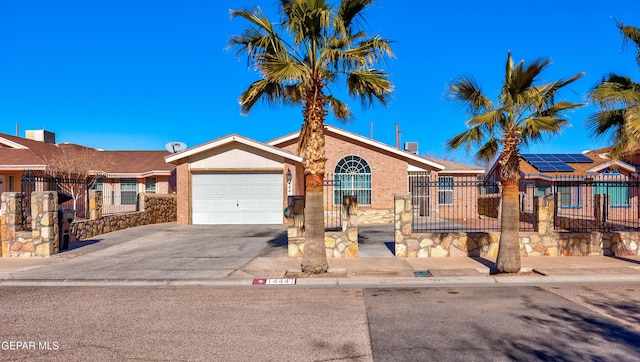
(354, 175)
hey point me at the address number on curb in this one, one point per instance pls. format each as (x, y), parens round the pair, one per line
(274, 281)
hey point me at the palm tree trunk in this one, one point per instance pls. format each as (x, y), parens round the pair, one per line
(508, 260)
(314, 256)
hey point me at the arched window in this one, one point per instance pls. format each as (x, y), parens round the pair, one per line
(353, 175)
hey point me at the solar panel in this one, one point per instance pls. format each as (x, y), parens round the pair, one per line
(555, 162)
(580, 158)
(565, 158)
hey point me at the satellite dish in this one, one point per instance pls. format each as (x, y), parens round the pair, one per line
(175, 147)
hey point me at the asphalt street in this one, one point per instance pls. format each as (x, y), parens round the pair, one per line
(585, 323)
(172, 292)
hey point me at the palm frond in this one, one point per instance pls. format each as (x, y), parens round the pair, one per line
(262, 89)
(294, 94)
(256, 39)
(601, 123)
(367, 53)
(469, 138)
(631, 34)
(369, 85)
(488, 119)
(349, 15)
(339, 109)
(307, 21)
(276, 68)
(615, 91)
(489, 150)
(557, 108)
(517, 89)
(523, 112)
(467, 91)
(536, 127)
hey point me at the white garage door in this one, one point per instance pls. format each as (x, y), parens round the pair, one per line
(236, 198)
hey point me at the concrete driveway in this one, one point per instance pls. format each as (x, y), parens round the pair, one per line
(376, 241)
(157, 252)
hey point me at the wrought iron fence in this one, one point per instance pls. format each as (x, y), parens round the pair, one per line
(332, 204)
(607, 202)
(461, 203)
(72, 193)
(600, 203)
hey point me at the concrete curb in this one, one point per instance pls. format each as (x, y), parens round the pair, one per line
(349, 283)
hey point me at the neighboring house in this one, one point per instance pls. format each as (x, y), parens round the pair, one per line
(126, 173)
(577, 179)
(234, 179)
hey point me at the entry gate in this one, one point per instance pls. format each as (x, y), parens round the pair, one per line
(332, 190)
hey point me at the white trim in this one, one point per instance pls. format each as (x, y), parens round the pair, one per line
(22, 167)
(229, 139)
(445, 172)
(156, 173)
(367, 141)
(12, 144)
(618, 163)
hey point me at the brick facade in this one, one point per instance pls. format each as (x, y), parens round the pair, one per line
(183, 184)
(388, 172)
(389, 169)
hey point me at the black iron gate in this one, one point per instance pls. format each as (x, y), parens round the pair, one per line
(39, 181)
(332, 204)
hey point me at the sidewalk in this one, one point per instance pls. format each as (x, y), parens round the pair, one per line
(170, 255)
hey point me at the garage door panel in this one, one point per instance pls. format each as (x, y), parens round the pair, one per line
(237, 198)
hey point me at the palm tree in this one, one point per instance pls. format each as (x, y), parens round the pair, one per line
(524, 112)
(617, 99)
(314, 47)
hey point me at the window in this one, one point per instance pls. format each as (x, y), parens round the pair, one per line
(618, 192)
(128, 191)
(12, 187)
(615, 186)
(353, 174)
(99, 185)
(570, 195)
(445, 190)
(150, 184)
(543, 187)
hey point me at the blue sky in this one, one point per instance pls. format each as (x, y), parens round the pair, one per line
(137, 74)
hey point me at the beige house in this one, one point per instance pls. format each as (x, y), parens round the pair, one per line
(236, 180)
(125, 173)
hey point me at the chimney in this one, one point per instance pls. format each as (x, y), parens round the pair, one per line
(41, 135)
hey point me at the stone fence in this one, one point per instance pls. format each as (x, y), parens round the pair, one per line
(44, 239)
(545, 240)
(153, 209)
(338, 244)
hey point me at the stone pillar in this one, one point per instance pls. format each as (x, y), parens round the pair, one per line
(543, 210)
(95, 204)
(44, 223)
(10, 219)
(403, 218)
(349, 238)
(295, 225)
